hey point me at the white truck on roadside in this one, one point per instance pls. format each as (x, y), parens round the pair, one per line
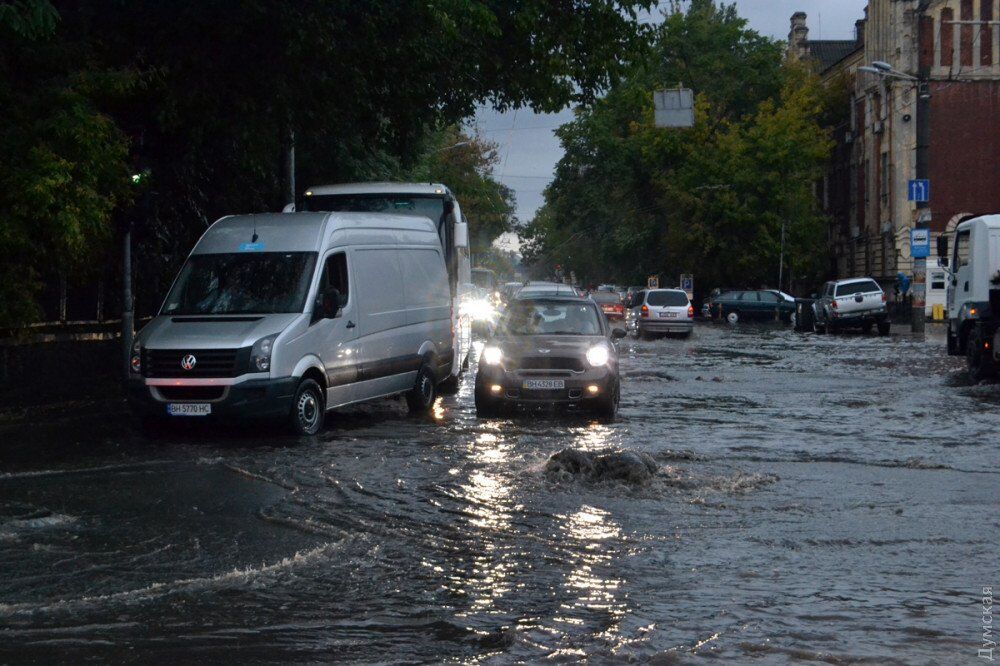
(853, 303)
(973, 300)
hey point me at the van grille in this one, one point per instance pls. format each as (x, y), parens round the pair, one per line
(209, 362)
(547, 363)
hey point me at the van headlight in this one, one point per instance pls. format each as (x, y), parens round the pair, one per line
(135, 362)
(598, 355)
(260, 355)
(492, 355)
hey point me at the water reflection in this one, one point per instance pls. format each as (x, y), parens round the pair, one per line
(588, 584)
(488, 495)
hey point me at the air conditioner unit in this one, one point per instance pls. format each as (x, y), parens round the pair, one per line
(878, 127)
(848, 137)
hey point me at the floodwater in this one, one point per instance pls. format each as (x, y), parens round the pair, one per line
(827, 498)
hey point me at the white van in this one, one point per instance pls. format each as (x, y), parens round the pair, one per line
(288, 315)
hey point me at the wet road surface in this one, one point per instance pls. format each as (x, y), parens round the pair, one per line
(829, 498)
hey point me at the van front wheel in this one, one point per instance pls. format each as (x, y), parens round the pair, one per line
(421, 397)
(308, 408)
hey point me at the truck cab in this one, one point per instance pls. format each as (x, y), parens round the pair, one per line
(973, 298)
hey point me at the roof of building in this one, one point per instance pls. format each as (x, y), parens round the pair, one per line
(828, 52)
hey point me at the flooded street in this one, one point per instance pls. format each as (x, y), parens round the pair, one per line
(829, 498)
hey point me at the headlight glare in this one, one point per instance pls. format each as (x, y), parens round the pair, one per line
(598, 355)
(492, 355)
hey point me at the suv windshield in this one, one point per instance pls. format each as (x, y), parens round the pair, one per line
(242, 283)
(551, 318)
(863, 287)
(667, 298)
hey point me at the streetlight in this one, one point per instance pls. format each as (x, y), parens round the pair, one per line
(886, 71)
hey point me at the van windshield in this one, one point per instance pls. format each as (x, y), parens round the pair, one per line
(400, 204)
(242, 283)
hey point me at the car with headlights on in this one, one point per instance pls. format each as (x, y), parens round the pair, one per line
(551, 350)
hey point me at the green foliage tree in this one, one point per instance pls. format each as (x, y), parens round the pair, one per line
(465, 162)
(630, 200)
(63, 174)
(206, 95)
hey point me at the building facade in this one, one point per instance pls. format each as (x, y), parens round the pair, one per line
(952, 50)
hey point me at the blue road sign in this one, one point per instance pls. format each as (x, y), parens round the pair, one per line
(919, 190)
(920, 243)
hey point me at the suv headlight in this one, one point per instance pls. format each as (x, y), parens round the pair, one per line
(492, 355)
(598, 355)
(260, 355)
(135, 362)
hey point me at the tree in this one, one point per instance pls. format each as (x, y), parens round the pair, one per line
(207, 94)
(465, 164)
(63, 174)
(630, 200)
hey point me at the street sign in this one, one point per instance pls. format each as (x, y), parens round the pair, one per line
(687, 284)
(920, 243)
(673, 107)
(919, 190)
(653, 282)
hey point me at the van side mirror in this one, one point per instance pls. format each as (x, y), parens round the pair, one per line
(328, 304)
(942, 246)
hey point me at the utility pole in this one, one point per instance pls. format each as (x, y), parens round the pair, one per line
(290, 169)
(781, 260)
(921, 84)
(919, 284)
(128, 314)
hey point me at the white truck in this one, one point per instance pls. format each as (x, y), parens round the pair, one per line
(852, 303)
(973, 301)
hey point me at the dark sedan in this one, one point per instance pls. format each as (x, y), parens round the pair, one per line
(751, 305)
(610, 303)
(550, 351)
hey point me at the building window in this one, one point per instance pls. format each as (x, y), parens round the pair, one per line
(947, 36)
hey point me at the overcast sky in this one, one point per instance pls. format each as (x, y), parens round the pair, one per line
(529, 149)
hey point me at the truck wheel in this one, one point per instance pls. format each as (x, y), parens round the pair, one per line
(308, 408)
(421, 397)
(883, 327)
(819, 328)
(980, 365)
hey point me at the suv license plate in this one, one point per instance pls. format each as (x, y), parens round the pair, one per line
(544, 384)
(189, 409)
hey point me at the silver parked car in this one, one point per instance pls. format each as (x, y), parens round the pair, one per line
(655, 311)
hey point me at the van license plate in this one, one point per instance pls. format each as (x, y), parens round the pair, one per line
(668, 315)
(544, 384)
(189, 409)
